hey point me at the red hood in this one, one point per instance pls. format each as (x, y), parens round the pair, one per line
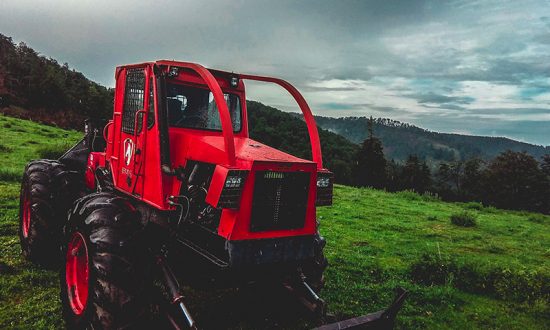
(208, 147)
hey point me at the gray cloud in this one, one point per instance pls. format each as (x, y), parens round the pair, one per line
(411, 60)
(443, 99)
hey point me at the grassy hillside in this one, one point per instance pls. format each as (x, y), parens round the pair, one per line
(493, 275)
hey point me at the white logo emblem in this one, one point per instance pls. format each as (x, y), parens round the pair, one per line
(128, 150)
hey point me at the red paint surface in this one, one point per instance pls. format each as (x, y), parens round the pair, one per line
(77, 273)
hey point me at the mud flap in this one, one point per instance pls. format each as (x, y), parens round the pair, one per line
(383, 319)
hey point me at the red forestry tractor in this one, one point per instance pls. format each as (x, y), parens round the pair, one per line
(172, 187)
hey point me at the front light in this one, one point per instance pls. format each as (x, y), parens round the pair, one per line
(233, 182)
(323, 182)
(324, 188)
(232, 189)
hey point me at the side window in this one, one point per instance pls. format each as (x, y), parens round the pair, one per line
(151, 105)
(133, 99)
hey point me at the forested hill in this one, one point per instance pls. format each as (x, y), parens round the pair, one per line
(401, 140)
(36, 87)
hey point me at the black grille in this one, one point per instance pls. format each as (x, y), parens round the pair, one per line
(280, 200)
(133, 99)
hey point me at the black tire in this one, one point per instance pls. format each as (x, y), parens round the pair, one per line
(314, 271)
(48, 190)
(118, 265)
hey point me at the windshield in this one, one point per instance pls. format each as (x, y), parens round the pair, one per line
(194, 107)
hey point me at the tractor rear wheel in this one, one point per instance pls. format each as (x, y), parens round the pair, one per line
(48, 190)
(104, 281)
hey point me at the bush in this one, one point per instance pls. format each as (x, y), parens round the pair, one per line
(431, 270)
(523, 285)
(474, 206)
(464, 219)
(53, 151)
(414, 196)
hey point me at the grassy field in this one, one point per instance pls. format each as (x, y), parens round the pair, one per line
(494, 275)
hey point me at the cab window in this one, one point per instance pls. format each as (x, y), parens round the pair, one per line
(194, 107)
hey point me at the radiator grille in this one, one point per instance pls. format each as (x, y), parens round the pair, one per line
(280, 200)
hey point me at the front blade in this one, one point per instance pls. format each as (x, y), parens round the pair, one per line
(383, 319)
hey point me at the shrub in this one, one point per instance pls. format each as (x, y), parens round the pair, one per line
(474, 206)
(431, 269)
(431, 218)
(53, 151)
(524, 285)
(464, 219)
(414, 196)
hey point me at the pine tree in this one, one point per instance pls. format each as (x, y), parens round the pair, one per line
(416, 175)
(371, 165)
(515, 181)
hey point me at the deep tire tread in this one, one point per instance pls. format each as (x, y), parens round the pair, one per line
(52, 189)
(118, 263)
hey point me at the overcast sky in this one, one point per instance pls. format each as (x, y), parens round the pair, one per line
(473, 67)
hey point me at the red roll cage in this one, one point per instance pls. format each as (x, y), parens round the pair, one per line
(227, 128)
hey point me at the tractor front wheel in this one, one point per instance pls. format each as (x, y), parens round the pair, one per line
(104, 281)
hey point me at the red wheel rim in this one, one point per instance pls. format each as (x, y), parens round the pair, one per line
(26, 213)
(76, 274)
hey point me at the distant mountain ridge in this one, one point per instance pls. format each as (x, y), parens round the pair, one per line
(401, 140)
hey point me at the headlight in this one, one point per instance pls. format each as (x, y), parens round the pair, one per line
(323, 182)
(232, 189)
(233, 182)
(324, 188)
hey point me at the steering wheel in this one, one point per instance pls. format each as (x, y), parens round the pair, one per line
(190, 118)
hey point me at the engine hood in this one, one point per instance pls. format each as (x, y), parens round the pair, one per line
(201, 147)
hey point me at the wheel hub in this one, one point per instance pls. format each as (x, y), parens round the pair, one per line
(77, 273)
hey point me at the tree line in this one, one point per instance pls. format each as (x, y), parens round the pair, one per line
(511, 180)
(54, 91)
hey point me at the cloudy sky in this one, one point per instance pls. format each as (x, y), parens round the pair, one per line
(473, 67)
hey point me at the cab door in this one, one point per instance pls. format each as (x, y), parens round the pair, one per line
(133, 129)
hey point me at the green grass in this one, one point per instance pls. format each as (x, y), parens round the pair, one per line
(375, 238)
(24, 140)
(492, 276)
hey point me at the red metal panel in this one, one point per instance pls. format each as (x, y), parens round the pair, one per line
(95, 160)
(216, 185)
